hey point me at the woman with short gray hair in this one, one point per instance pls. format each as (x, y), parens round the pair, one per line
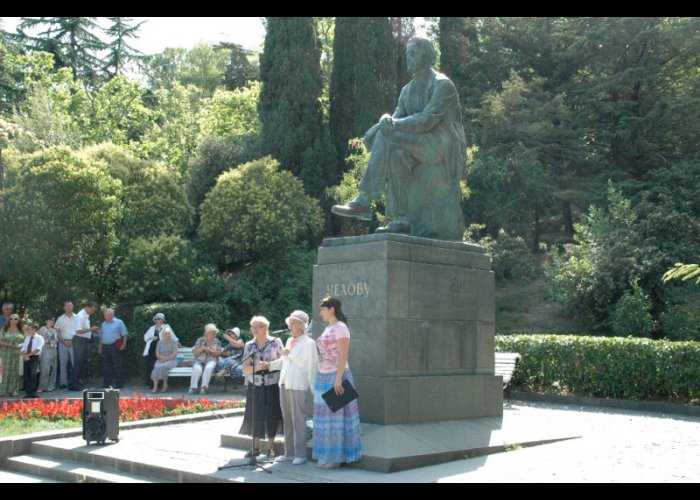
(166, 354)
(263, 379)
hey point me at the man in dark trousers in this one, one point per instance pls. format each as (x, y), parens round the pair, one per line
(31, 350)
(113, 336)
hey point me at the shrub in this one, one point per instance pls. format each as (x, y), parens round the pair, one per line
(165, 268)
(510, 257)
(610, 367)
(257, 212)
(680, 322)
(631, 315)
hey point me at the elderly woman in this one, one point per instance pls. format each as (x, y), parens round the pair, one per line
(166, 358)
(230, 361)
(299, 363)
(263, 396)
(10, 344)
(151, 337)
(206, 351)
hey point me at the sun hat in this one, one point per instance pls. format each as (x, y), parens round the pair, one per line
(235, 330)
(300, 316)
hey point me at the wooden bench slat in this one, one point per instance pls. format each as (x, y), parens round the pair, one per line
(505, 365)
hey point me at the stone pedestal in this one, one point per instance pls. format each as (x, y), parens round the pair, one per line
(421, 317)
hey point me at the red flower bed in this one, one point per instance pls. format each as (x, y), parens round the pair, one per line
(135, 408)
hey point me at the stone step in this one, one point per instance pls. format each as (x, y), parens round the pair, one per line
(240, 442)
(19, 477)
(70, 471)
(165, 471)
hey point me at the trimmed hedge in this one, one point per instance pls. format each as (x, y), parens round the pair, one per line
(186, 318)
(610, 367)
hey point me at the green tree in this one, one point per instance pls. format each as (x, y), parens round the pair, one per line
(204, 67)
(47, 113)
(230, 135)
(64, 213)
(153, 197)
(163, 70)
(176, 116)
(120, 53)
(257, 212)
(291, 116)
(215, 156)
(619, 245)
(402, 29)
(243, 67)
(118, 113)
(165, 269)
(363, 82)
(71, 40)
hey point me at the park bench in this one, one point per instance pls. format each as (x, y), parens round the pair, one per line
(185, 357)
(506, 364)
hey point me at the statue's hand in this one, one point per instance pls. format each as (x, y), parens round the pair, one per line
(386, 122)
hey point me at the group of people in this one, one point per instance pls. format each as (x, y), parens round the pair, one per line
(160, 355)
(46, 352)
(280, 378)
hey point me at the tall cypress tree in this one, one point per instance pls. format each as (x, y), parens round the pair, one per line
(290, 109)
(363, 81)
(402, 29)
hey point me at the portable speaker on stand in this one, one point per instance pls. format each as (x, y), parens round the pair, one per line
(100, 415)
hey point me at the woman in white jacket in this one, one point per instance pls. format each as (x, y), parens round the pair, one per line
(151, 338)
(298, 365)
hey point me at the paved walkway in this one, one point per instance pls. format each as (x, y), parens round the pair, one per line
(615, 446)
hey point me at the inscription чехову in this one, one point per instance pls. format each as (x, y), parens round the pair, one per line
(358, 289)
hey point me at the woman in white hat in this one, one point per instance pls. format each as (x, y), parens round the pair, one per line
(230, 361)
(151, 337)
(206, 351)
(298, 364)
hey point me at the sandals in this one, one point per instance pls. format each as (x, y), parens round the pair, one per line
(253, 453)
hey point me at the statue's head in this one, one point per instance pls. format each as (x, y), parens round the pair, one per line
(420, 54)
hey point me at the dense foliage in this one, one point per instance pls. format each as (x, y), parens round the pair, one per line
(582, 134)
(255, 212)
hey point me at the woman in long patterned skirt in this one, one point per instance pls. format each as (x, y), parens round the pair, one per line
(336, 436)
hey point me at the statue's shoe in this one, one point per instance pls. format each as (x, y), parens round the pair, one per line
(353, 209)
(395, 226)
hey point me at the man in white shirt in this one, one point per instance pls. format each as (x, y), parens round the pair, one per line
(83, 334)
(66, 325)
(31, 350)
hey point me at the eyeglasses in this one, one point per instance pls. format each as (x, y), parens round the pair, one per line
(14, 319)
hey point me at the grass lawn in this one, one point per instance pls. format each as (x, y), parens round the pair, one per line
(14, 426)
